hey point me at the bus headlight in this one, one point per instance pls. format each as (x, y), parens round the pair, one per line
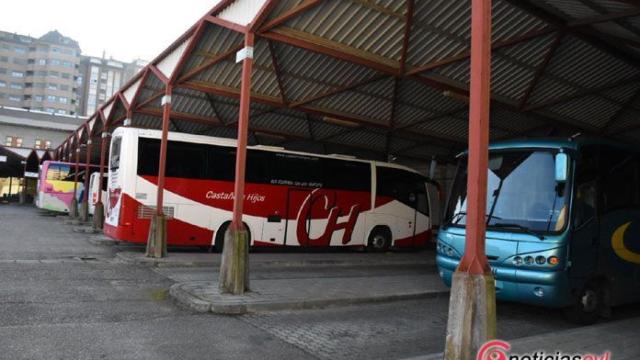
(446, 249)
(517, 261)
(540, 260)
(528, 260)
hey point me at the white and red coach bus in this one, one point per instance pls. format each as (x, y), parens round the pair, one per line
(291, 198)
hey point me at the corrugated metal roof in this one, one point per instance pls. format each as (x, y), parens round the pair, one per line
(337, 82)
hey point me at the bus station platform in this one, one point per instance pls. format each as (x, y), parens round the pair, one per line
(306, 293)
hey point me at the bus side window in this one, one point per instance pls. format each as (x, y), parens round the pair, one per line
(586, 193)
(619, 186)
(586, 199)
(114, 161)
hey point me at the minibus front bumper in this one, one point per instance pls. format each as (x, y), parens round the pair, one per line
(535, 287)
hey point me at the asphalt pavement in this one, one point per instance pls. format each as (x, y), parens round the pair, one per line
(63, 297)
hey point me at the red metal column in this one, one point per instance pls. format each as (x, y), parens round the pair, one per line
(243, 133)
(474, 260)
(85, 196)
(103, 150)
(75, 176)
(166, 112)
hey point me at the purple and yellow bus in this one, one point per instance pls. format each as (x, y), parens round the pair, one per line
(55, 185)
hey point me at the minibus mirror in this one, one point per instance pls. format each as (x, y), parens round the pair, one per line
(562, 166)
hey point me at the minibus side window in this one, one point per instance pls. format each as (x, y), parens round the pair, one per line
(114, 161)
(586, 196)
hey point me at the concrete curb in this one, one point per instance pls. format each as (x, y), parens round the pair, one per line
(85, 230)
(236, 305)
(102, 240)
(142, 260)
(77, 222)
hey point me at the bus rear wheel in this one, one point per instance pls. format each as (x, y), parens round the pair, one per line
(218, 244)
(589, 305)
(379, 239)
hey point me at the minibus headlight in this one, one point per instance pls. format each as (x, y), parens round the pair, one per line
(517, 261)
(553, 260)
(540, 260)
(449, 251)
(528, 260)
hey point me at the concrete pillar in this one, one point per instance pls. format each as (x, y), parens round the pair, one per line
(234, 268)
(472, 307)
(157, 239)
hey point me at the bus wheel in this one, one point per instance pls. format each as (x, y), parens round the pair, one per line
(588, 306)
(218, 244)
(379, 239)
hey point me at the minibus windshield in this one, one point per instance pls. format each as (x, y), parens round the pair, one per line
(522, 193)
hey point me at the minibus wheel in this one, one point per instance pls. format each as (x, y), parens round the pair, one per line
(588, 306)
(218, 244)
(379, 239)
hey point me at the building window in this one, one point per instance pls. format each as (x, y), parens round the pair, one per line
(3, 84)
(67, 64)
(54, 74)
(38, 144)
(4, 59)
(55, 62)
(20, 50)
(51, 98)
(13, 141)
(64, 87)
(3, 70)
(19, 61)
(15, 98)
(17, 74)
(47, 144)
(39, 98)
(50, 110)
(16, 86)
(63, 100)
(42, 62)
(52, 86)
(66, 75)
(61, 112)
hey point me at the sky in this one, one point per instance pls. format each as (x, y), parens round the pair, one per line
(124, 29)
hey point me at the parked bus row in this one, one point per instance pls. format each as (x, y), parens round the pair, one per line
(563, 216)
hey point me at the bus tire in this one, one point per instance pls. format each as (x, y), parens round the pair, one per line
(589, 305)
(218, 244)
(379, 239)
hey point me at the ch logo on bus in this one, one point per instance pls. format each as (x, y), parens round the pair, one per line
(332, 224)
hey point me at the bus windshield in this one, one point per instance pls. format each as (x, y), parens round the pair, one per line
(58, 172)
(522, 194)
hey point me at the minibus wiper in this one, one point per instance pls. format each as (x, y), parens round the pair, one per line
(519, 227)
(457, 216)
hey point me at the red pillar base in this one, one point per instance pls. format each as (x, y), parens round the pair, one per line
(234, 269)
(157, 240)
(472, 315)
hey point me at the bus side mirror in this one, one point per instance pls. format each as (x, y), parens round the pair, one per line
(562, 167)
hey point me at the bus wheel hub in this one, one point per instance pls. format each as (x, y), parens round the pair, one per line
(589, 301)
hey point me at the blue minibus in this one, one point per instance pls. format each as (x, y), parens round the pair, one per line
(563, 224)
